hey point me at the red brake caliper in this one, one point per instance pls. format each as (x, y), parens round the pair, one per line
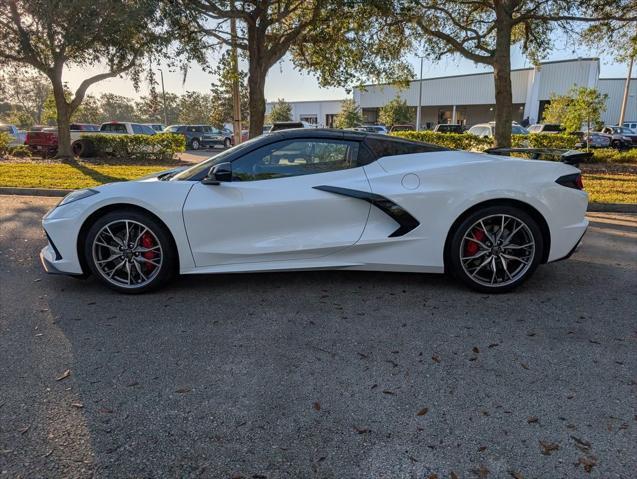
(472, 247)
(148, 242)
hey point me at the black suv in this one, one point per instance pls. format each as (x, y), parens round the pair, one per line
(202, 136)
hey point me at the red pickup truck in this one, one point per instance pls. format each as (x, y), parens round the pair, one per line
(45, 140)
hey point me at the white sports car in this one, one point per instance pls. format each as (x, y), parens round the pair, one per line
(324, 199)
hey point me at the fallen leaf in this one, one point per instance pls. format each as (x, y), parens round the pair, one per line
(134, 383)
(581, 444)
(432, 476)
(588, 462)
(423, 411)
(435, 358)
(24, 429)
(493, 345)
(548, 447)
(482, 448)
(183, 390)
(532, 419)
(476, 350)
(105, 410)
(516, 475)
(387, 391)
(361, 430)
(317, 406)
(453, 475)
(64, 375)
(524, 365)
(78, 405)
(482, 472)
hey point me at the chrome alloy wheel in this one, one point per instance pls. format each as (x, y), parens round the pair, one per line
(127, 253)
(497, 250)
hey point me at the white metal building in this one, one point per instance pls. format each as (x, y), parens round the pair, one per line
(470, 99)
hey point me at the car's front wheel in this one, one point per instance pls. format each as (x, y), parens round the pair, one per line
(495, 249)
(194, 144)
(130, 252)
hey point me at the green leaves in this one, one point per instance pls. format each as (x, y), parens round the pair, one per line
(349, 116)
(397, 112)
(161, 146)
(281, 111)
(580, 106)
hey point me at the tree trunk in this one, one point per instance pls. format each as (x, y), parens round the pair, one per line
(256, 96)
(63, 120)
(503, 91)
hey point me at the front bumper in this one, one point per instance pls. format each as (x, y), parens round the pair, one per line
(50, 263)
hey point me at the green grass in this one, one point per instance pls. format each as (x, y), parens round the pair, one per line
(602, 187)
(611, 187)
(70, 175)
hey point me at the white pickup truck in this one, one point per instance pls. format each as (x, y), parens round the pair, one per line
(18, 135)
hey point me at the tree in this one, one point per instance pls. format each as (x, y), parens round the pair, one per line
(26, 90)
(580, 105)
(484, 31)
(194, 108)
(150, 109)
(281, 111)
(221, 93)
(50, 35)
(349, 116)
(116, 107)
(396, 112)
(269, 29)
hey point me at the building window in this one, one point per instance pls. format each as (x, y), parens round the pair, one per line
(311, 119)
(330, 118)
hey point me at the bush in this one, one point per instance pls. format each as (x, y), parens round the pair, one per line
(20, 151)
(5, 139)
(466, 141)
(610, 155)
(161, 146)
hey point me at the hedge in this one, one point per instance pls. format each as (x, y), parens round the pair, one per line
(5, 140)
(467, 141)
(161, 146)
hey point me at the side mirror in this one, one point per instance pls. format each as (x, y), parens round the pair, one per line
(218, 173)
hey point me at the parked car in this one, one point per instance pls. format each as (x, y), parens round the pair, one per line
(46, 140)
(158, 127)
(630, 124)
(245, 134)
(401, 128)
(620, 136)
(591, 140)
(545, 128)
(448, 128)
(288, 125)
(300, 200)
(202, 136)
(488, 129)
(18, 136)
(380, 129)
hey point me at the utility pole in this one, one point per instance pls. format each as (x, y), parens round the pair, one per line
(622, 113)
(419, 97)
(163, 95)
(236, 99)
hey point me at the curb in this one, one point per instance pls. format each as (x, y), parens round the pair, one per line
(612, 208)
(592, 207)
(6, 190)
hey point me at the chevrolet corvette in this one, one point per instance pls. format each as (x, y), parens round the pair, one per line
(324, 199)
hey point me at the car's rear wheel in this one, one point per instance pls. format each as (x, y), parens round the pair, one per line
(194, 144)
(496, 249)
(130, 252)
(227, 143)
(82, 148)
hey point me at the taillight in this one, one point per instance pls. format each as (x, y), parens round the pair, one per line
(571, 181)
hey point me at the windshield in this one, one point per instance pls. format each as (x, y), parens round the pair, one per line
(625, 131)
(215, 160)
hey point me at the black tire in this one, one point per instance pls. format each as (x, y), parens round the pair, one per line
(617, 145)
(167, 268)
(498, 254)
(227, 143)
(195, 144)
(83, 148)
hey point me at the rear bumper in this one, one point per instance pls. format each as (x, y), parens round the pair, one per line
(575, 248)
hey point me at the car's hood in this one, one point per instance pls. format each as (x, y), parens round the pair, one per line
(161, 174)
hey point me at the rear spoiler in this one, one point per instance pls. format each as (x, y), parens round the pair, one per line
(570, 157)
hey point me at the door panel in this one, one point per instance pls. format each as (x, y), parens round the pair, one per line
(274, 220)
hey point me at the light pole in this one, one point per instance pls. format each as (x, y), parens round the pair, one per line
(419, 97)
(622, 113)
(163, 95)
(236, 96)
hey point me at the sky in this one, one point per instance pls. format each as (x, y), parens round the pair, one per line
(284, 81)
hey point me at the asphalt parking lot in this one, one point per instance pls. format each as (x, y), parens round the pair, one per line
(319, 374)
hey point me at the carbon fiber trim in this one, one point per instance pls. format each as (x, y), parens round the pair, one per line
(391, 209)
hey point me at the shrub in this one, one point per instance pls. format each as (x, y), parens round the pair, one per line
(609, 155)
(466, 141)
(20, 151)
(161, 146)
(5, 139)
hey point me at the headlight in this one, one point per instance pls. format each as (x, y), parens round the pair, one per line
(77, 195)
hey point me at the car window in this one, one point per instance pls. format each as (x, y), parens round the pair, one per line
(191, 129)
(518, 130)
(383, 147)
(114, 127)
(294, 158)
(555, 128)
(535, 128)
(147, 130)
(137, 129)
